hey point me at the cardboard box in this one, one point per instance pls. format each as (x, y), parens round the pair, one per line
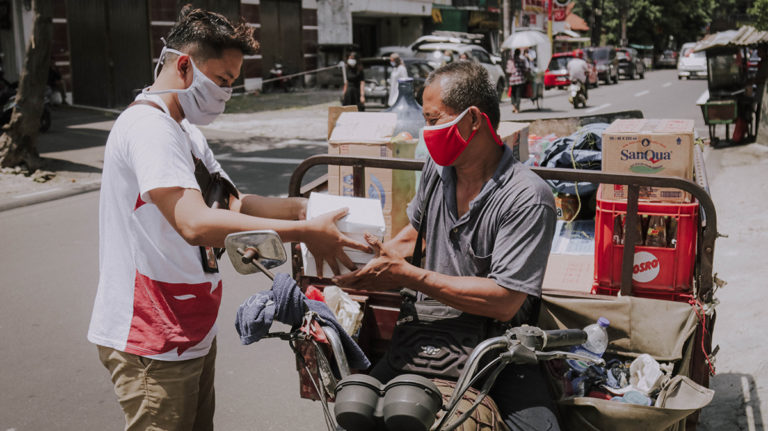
(333, 114)
(650, 147)
(370, 134)
(571, 263)
(365, 216)
(515, 135)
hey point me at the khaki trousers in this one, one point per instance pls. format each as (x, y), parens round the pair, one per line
(163, 395)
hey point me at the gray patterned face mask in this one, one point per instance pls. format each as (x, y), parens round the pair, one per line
(203, 100)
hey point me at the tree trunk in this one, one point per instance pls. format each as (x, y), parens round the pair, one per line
(17, 143)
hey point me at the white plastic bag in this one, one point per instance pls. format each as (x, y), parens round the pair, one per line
(347, 310)
(645, 374)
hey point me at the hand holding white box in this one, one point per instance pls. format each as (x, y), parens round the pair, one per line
(364, 216)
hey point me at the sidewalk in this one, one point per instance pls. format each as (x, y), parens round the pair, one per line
(73, 148)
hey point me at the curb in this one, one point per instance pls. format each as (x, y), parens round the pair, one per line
(48, 195)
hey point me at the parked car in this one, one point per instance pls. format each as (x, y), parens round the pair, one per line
(606, 62)
(630, 63)
(667, 58)
(556, 74)
(434, 53)
(378, 70)
(691, 64)
(439, 36)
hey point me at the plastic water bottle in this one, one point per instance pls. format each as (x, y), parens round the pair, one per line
(597, 342)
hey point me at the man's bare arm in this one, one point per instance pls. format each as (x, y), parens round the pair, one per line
(476, 295)
(270, 207)
(187, 213)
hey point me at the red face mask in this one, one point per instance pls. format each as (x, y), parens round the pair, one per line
(444, 142)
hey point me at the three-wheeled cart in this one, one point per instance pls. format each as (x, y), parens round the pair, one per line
(675, 331)
(734, 90)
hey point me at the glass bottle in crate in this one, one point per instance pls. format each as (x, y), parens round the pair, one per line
(656, 235)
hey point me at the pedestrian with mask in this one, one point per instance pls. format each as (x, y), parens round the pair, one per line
(398, 71)
(159, 290)
(517, 71)
(487, 234)
(353, 92)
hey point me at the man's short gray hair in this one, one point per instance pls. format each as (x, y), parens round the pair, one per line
(464, 84)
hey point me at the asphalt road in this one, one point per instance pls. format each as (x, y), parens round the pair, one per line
(51, 377)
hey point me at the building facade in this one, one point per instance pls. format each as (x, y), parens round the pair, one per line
(106, 50)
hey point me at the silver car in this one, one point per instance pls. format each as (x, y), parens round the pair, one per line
(435, 54)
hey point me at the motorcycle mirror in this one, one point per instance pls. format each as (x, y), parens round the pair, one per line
(256, 250)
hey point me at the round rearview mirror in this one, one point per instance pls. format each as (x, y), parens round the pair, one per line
(256, 250)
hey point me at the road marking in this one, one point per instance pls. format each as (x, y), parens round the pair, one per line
(36, 193)
(597, 108)
(270, 160)
(746, 394)
(642, 93)
(666, 84)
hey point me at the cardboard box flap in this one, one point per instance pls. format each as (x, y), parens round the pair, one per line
(365, 215)
(364, 127)
(651, 126)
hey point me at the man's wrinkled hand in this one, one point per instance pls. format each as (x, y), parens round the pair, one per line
(326, 242)
(383, 272)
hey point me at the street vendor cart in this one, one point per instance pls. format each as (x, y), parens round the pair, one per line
(678, 331)
(734, 92)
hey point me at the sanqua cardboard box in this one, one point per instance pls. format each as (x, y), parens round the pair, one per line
(649, 147)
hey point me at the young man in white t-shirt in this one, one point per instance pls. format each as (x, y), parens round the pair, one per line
(156, 306)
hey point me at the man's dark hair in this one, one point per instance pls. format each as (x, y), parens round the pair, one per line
(206, 35)
(465, 84)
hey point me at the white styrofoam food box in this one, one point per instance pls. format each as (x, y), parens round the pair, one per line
(365, 215)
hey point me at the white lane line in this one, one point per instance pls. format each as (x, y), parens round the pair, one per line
(666, 84)
(270, 160)
(597, 108)
(36, 193)
(641, 93)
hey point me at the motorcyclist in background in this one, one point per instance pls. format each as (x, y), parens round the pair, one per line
(578, 70)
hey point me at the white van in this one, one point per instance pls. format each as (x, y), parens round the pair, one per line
(691, 64)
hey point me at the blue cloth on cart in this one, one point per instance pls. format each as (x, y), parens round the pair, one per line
(287, 304)
(581, 150)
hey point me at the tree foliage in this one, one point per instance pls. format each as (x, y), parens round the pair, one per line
(661, 23)
(759, 14)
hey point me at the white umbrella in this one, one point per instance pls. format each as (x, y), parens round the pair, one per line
(531, 39)
(524, 39)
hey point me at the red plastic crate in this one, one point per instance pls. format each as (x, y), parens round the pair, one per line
(657, 270)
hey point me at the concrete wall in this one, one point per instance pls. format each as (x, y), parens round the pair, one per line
(334, 19)
(401, 30)
(392, 7)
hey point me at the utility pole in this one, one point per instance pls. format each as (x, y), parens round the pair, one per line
(505, 18)
(597, 14)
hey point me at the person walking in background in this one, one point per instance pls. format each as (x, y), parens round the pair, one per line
(354, 86)
(530, 54)
(447, 57)
(517, 70)
(398, 71)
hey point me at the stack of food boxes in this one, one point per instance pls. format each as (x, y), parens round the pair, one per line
(666, 247)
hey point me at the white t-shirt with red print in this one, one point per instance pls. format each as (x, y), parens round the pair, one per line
(153, 299)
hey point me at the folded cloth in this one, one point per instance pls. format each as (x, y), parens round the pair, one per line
(286, 303)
